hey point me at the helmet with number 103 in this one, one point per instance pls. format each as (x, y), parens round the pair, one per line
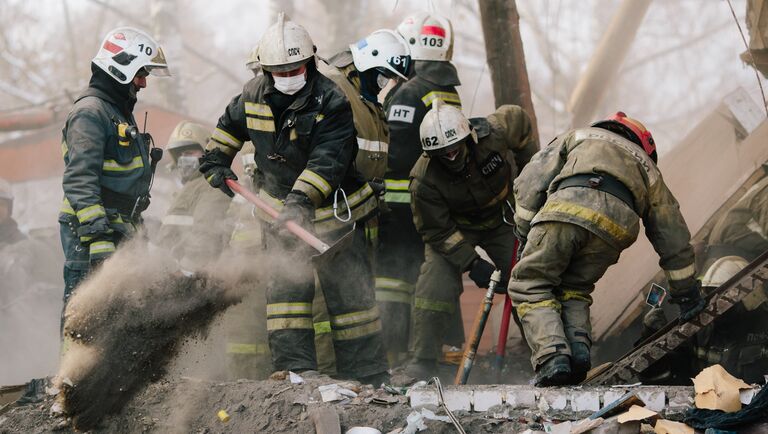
(125, 50)
(430, 37)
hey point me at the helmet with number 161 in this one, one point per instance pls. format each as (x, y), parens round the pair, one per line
(443, 129)
(430, 37)
(125, 50)
(384, 50)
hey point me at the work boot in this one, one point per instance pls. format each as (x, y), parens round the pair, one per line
(375, 380)
(556, 371)
(415, 370)
(581, 362)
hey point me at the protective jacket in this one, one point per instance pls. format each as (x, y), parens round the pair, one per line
(105, 170)
(193, 227)
(370, 122)
(308, 146)
(595, 151)
(743, 230)
(406, 105)
(480, 198)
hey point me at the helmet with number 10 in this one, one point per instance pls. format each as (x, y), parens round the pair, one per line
(430, 37)
(125, 50)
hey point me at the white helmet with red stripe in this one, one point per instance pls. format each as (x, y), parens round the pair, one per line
(429, 36)
(126, 50)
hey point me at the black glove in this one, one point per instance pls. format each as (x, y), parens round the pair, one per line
(299, 209)
(215, 166)
(480, 272)
(690, 302)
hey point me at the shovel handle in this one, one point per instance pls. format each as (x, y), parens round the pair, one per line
(292, 226)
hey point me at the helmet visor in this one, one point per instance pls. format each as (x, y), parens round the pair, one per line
(286, 67)
(399, 65)
(158, 66)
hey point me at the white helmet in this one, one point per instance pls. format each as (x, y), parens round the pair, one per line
(442, 127)
(430, 37)
(722, 270)
(285, 46)
(253, 60)
(383, 49)
(126, 50)
(187, 135)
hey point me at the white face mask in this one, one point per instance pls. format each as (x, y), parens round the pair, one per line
(290, 85)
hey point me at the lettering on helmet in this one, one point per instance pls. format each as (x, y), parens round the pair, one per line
(294, 51)
(429, 142)
(402, 113)
(449, 134)
(492, 164)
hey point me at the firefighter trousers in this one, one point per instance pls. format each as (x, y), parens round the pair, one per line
(440, 285)
(552, 284)
(347, 284)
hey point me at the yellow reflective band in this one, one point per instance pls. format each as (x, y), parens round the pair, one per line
(90, 213)
(397, 184)
(316, 181)
(448, 97)
(435, 305)
(682, 273)
(574, 295)
(351, 318)
(290, 323)
(117, 218)
(357, 332)
(393, 284)
(524, 213)
(524, 308)
(354, 200)
(252, 108)
(371, 233)
(393, 296)
(237, 348)
(178, 220)
(226, 139)
(322, 327)
(319, 117)
(453, 240)
(289, 309)
(66, 208)
(293, 136)
(64, 148)
(590, 215)
(261, 124)
(397, 197)
(372, 145)
(114, 166)
(101, 247)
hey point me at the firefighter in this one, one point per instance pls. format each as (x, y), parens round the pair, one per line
(107, 164)
(301, 126)
(362, 77)
(578, 205)
(461, 192)
(189, 228)
(400, 251)
(9, 230)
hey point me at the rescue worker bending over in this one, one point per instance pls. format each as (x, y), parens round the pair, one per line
(461, 192)
(107, 165)
(301, 126)
(578, 204)
(400, 251)
(189, 229)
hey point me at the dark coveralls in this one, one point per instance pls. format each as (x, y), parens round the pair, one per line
(307, 143)
(400, 252)
(105, 173)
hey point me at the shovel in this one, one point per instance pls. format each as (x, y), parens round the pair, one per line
(326, 253)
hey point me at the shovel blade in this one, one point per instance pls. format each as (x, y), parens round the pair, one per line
(343, 243)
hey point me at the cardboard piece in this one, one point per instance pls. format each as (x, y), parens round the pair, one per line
(664, 426)
(716, 389)
(636, 413)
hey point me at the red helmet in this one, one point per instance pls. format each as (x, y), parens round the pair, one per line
(632, 129)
